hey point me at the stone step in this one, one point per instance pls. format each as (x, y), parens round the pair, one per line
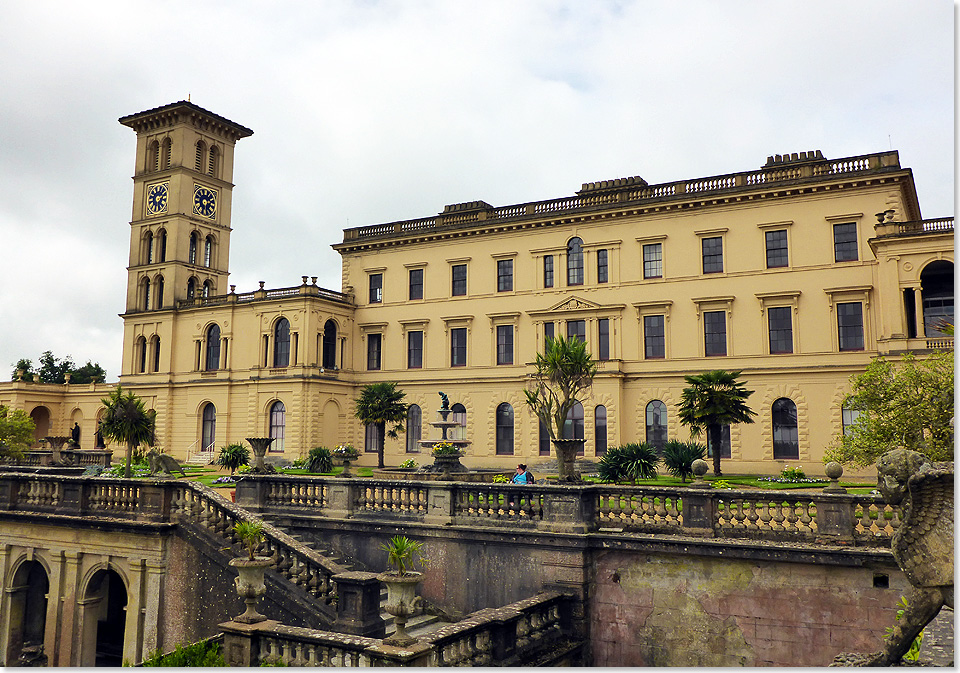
(200, 459)
(418, 625)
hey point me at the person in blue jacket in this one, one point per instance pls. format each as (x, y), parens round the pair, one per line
(522, 476)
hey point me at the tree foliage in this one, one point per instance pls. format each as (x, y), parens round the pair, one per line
(381, 404)
(678, 457)
(52, 369)
(16, 432)
(563, 371)
(91, 372)
(907, 405)
(711, 400)
(126, 420)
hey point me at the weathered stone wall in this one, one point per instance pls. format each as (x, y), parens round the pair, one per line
(654, 609)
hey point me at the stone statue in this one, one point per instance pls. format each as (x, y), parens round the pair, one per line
(922, 545)
(161, 462)
(445, 402)
(75, 434)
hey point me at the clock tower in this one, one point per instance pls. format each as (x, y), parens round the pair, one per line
(182, 189)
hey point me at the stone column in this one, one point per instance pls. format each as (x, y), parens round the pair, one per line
(918, 310)
(834, 518)
(133, 622)
(52, 632)
(153, 585)
(5, 597)
(441, 507)
(71, 626)
(699, 512)
(340, 496)
(358, 605)
(570, 509)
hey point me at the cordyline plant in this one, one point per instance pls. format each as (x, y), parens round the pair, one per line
(563, 371)
(250, 534)
(401, 551)
(127, 420)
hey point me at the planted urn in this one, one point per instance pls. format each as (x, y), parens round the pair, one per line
(402, 600)
(250, 570)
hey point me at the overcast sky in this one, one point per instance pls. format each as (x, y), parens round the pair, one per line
(366, 112)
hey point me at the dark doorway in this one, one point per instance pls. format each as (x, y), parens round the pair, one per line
(106, 603)
(28, 615)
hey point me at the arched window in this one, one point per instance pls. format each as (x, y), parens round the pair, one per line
(140, 353)
(153, 156)
(278, 421)
(201, 150)
(329, 360)
(281, 343)
(504, 430)
(786, 442)
(657, 425)
(162, 245)
(156, 352)
(145, 299)
(414, 428)
(207, 288)
(148, 248)
(936, 290)
(213, 348)
(214, 160)
(191, 288)
(460, 416)
(192, 255)
(208, 433)
(165, 153)
(158, 293)
(575, 261)
(573, 425)
(543, 439)
(207, 250)
(600, 429)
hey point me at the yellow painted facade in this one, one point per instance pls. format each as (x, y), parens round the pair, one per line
(796, 274)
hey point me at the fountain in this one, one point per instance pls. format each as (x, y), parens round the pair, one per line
(448, 461)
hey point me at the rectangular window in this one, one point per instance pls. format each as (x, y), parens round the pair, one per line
(845, 242)
(373, 351)
(848, 418)
(376, 288)
(416, 283)
(776, 248)
(653, 260)
(505, 275)
(548, 271)
(577, 329)
(547, 332)
(504, 344)
(603, 334)
(602, 267)
(715, 332)
(781, 329)
(712, 254)
(724, 442)
(850, 326)
(414, 350)
(370, 438)
(653, 337)
(459, 280)
(458, 347)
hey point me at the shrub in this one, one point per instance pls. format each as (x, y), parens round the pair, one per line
(233, 456)
(793, 473)
(678, 457)
(409, 464)
(319, 460)
(205, 654)
(721, 483)
(629, 462)
(500, 479)
(446, 448)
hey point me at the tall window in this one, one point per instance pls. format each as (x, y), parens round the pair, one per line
(712, 254)
(776, 248)
(786, 442)
(575, 262)
(159, 292)
(459, 414)
(548, 271)
(376, 288)
(504, 344)
(504, 430)
(198, 161)
(208, 433)
(146, 294)
(192, 255)
(458, 347)
(329, 345)
(849, 417)
(214, 161)
(458, 275)
(414, 428)
(577, 329)
(153, 156)
(603, 336)
(371, 439)
(850, 326)
(504, 275)
(207, 251)
(654, 343)
(414, 350)
(657, 425)
(724, 442)
(162, 245)
(156, 353)
(547, 333)
(653, 260)
(278, 421)
(600, 428)
(573, 425)
(602, 266)
(416, 284)
(780, 324)
(281, 343)
(148, 243)
(207, 288)
(191, 288)
(373, 351)
(140, 352)
(165, 153)
(543, 440)
(213, 348)
(936, 292)
(845, 242)
(715, 332)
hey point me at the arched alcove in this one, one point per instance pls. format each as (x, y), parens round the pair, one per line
(27, 605)
(103, 607)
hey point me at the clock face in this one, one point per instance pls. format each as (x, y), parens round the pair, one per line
(204, 201)
(157, 198)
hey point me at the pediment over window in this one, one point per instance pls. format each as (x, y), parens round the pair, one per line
(575, 305)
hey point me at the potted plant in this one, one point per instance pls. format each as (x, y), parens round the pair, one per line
(345, 454)
(402, 601)
(249, 581)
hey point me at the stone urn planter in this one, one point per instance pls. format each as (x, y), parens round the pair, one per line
(56, 444)
(260, 446)
(343, 457)
(402, 603)
(567, 450)
(250, 585)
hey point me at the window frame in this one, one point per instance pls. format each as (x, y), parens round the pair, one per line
(768, 249)
(711, 351)
(713, 258)
(575, 274)
(277, 423)
(859, 339)
(844, 246)
(505, 344)
(415, 284)
(375, 283)
(603, 265)
(652, 264)
(603, 339)
(457, 283)
(374, 351)
(505, 434)
(414, 431)
(772, 332)
(415, 349)
(504, 275)
(281, 347)
(458, 346)
(548, 271)
(793, 442)
(653, 411)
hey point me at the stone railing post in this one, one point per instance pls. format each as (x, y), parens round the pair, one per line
(73, 497)
(834, 518)
(503, 635)
(251, 493)
(154, 501)
(358, 605)
(340, 498)
(241, 642)
(699, 512)
(9, 490)
(441, 503)
(570, 509)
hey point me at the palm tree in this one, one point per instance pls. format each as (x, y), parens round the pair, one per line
(712, 400)
(381, 403)
(127, 420)
(564, 370)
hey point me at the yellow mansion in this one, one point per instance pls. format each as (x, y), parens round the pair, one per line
(796, 274)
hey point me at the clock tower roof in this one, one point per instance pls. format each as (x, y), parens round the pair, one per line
(184, 112)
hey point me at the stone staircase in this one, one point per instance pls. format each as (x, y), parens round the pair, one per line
(201, 459)
(419, 625)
